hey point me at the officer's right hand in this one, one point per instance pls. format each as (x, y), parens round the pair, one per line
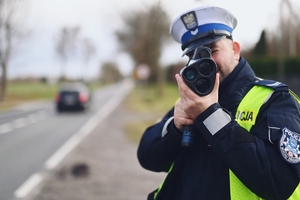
(193, 104)
(180, 116)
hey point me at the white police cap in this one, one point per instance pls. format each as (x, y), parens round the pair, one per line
(201, 26)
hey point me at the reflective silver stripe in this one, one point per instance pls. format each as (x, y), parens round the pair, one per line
(164, 130)
(269, 132)
(216, 121)
(268, 97)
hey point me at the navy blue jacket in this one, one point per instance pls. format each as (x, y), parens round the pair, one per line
(202, 172)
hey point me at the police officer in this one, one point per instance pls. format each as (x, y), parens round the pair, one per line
(246, 130)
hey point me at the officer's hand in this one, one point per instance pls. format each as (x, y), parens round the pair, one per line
(192, 104)
(180, 117)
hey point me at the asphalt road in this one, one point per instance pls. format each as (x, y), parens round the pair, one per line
(27, 140)
(35, 141)
(104, 166)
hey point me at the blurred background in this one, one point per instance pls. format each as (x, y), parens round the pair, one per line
(103, 41)
(95, 55)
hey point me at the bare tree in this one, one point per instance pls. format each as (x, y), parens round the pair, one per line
(67, 46)
(145, 32)
(287, 33)
(88, 50)
(8, 34)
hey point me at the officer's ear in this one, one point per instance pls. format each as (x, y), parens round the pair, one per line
(236, 50)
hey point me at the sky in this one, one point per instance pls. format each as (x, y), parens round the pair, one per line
(98, 20)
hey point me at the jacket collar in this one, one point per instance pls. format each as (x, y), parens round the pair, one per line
(235, 86)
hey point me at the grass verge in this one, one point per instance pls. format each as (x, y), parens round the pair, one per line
(145, 103)
(20, 92)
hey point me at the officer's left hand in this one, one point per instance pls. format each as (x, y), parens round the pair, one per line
(180, 117)
(193, 104)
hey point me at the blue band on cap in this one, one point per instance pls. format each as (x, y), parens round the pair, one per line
(203, 29)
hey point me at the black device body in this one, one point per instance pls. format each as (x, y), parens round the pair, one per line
(200, 76)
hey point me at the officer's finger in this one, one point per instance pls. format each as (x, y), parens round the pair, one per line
(178, 78)
(179, 83)
(185, 92)
(217, 82)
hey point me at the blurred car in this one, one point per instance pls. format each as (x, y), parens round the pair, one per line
(73, 95)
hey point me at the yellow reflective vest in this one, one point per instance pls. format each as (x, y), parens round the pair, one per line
(248, 109)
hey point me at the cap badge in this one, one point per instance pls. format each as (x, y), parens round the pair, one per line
(190, 20)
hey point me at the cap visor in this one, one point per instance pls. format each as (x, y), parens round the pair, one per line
(202, 42)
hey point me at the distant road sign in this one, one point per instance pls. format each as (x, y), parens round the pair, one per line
(143, 72)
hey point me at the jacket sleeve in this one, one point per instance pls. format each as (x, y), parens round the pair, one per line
(160, 145)
(255, 157)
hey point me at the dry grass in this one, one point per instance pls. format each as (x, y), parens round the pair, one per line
(21, 92)
(146, 104)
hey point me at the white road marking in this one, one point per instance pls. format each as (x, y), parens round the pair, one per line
(22, 122)
(19, 123)
(41, 115)
(32, 118)
(86, 129)
(5, 128)
(29, 185)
